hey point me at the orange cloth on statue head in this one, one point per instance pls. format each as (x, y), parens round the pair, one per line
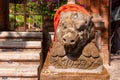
(65, 8)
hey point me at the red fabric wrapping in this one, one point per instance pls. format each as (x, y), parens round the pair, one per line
(65, 8)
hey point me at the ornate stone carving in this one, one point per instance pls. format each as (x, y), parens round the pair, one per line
(73, 46)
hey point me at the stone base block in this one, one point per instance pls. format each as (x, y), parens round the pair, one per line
(52, 74)
(46, 74)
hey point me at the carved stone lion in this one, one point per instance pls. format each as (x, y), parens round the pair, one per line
(73, 46)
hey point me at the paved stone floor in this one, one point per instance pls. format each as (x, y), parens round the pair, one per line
(114, 68)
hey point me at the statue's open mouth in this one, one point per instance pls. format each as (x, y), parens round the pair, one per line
(74, 51)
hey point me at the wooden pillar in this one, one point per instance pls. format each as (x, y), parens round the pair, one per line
(105, 33)
(25, 14)
(4, 15)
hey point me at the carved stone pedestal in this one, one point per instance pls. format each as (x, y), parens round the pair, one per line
(51, 74)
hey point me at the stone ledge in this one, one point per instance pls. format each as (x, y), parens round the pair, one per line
(47, 75)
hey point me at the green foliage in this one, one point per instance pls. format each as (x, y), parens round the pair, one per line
(34, 11)
(32, 7)
(48, 7)
(16, 16)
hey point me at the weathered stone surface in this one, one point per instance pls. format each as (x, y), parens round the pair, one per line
(89, 59)
(81, 74)
(73, 46)
(48, 74)
(74, 55)
(91, 50)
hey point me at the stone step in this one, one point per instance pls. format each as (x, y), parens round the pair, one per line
(16, 78)
(20, 55)
(18, 69)
(20, 44)
(22, 39)
(12, 34)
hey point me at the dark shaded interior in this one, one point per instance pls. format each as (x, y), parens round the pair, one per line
(115, 26)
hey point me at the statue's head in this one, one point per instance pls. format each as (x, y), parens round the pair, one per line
(74, 28)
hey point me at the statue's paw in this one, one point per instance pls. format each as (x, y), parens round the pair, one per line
(58, 50)
(91, 50)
